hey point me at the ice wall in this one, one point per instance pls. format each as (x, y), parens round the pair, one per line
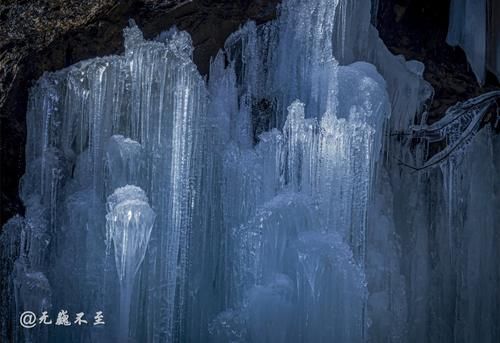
(469, 238)
(122, 128)
(321, 128)
(446, 213)
(448, 225)
(272, 202)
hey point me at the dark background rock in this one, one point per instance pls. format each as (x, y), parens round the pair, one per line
(47, 35)
(417, 29)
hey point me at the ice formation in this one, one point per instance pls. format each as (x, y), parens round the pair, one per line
(123, 130)
(128, 226)
(474, 26)
(266, 203)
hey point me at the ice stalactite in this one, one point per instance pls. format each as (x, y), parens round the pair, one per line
(473, 25)
(468, 29)
(128, 226)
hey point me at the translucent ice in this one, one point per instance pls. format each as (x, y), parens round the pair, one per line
(473, 26)
(128, 224)
(125, 161)
(255, 206)
(97, 126)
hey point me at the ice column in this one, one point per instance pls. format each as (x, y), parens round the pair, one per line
(128, 225)
(473, 26)
(468, 29)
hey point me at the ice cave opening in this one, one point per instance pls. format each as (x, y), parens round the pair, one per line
(184, 210)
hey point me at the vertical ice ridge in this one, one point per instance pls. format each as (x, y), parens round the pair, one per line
(310, 175)
(128, 224)
(154, 96)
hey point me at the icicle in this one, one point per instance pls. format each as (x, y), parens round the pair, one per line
(128, 223)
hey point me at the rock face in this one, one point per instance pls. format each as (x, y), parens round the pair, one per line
(47, 35)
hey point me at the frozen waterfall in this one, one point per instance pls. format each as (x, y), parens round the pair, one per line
(269, 202)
